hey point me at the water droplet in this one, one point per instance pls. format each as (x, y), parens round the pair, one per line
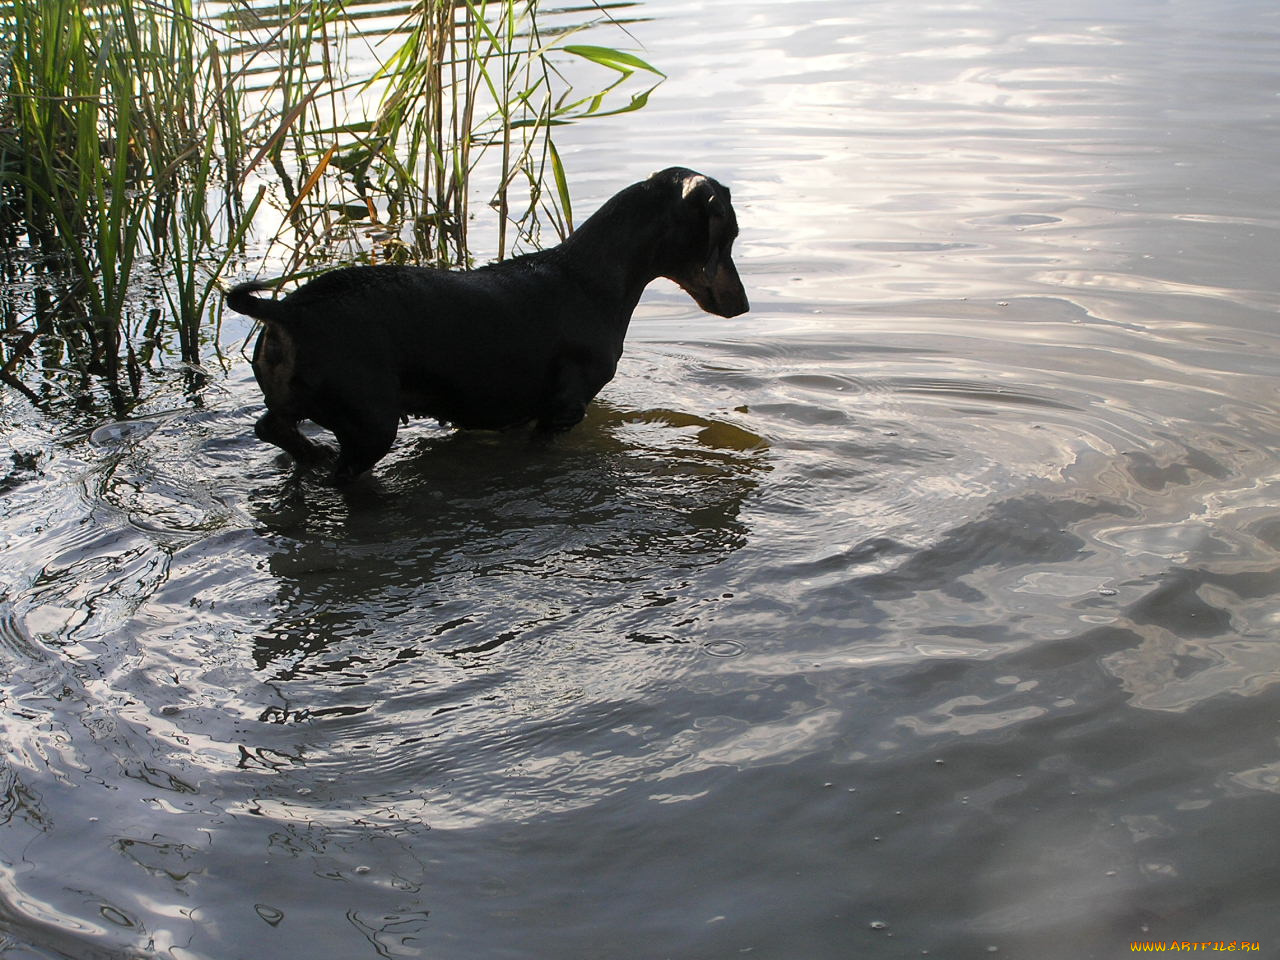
(362, 869)
(723, 648)
(268, 913)
(115, 915)
(878, 925)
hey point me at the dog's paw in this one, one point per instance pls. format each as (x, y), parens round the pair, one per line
(566, 418)
(342, 475)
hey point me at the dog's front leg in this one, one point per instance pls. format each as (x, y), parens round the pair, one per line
(364, 416)
(573, 388)
(281, 430)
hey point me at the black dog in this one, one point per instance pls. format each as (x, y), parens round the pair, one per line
(529, 339)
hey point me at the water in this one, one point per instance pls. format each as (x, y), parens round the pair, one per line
(931, 606)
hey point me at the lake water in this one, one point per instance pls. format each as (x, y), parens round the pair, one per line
(929, 608)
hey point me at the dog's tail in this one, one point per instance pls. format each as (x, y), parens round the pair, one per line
(240, 299)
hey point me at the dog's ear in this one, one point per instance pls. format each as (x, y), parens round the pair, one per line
(702, 196)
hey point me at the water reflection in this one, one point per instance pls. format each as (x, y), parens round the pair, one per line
(467, 542)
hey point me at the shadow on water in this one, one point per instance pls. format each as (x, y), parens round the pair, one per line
(469, 541)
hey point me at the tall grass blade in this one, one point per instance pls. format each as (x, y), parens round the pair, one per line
(151, 144)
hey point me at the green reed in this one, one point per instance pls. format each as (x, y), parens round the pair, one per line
(148, 148)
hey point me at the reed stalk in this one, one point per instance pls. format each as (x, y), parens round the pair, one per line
(147, 145)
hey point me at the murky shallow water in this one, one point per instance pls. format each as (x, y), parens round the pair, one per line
(932, 606)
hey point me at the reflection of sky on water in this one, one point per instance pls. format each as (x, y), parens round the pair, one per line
(996, 159)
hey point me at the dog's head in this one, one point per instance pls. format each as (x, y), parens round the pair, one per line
(704, 226)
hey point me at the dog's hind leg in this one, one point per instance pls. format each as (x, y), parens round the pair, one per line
(283, 431)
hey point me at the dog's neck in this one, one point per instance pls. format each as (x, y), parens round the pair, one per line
(620, 244)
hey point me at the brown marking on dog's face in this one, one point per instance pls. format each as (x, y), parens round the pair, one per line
(705, 267)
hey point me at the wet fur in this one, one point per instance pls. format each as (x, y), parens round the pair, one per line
(530, 339)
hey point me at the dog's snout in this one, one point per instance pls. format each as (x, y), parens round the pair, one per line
(720, 293)
(735, 307)
(727, 292)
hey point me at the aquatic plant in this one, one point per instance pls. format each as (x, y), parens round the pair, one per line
(146, 145)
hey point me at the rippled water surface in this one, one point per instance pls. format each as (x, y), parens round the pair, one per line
(930, 606)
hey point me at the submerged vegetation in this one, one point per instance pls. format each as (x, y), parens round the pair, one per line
(150, 147)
